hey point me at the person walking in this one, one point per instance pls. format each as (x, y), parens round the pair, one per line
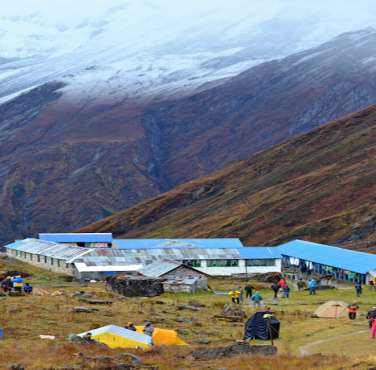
(312, 286)
(257, 299)
(282, 283)
(373, 328)
(235, 296)
(275, 288)
(286, 291)
(358, 289)
(248, 290)
(301, 285)
(352, 309)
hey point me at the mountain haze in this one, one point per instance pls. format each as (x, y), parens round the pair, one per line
(320, 186)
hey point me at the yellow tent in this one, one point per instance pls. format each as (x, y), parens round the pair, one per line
(164, 337)
(117, 337)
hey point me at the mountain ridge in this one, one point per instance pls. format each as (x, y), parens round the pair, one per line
(320, 186)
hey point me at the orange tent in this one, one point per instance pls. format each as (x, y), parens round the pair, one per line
(164, 337)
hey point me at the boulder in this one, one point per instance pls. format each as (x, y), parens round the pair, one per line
(234, 350)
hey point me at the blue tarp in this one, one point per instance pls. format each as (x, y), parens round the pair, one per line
(259, 253)
(346, 259)
(77, 238)
(177, 243)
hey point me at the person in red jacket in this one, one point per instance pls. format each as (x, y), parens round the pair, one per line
(282, 283)
(373, 328)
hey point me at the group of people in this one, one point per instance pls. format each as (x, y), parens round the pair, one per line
(17, 284)
(237, 296)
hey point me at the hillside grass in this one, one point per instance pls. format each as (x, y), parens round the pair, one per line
(342, 343)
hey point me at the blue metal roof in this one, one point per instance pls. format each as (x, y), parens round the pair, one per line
(255, 253)
(178, 243)
(77, 238)
(331, 256)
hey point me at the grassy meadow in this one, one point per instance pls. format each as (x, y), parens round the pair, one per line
(305, 343)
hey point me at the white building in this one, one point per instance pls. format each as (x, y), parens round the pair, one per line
(214, 257)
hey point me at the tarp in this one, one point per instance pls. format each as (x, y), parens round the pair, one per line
(164, 337)
(117, 337)
(331, 309)
(258, 327)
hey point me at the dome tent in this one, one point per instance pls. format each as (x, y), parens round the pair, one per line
(259, 326)
(117, 337)
(331, 310)
(164, 337)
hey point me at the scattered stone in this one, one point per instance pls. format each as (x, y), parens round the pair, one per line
(136, 286)
(234, 350)
(17, 367)
(201, 341)
(76, 339)
(182, 331)
(184, 319)
(98, 301)
(188, 307)
(81, 309)
(196, 304)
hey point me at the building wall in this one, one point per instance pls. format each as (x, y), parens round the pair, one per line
(241, 269)
(52, 264)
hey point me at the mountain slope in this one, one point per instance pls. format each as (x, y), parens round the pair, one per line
(320, 186)
(67, 159)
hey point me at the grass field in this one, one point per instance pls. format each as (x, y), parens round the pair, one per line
(326, 343)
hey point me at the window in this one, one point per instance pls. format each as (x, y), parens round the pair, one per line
(38, 258)
(58, 263)
(31, 256)
(223, 263)
(261, 263)
(52, 261)
(192, 263)
(45, 259)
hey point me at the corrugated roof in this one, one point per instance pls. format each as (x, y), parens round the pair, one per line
(259, 253)
(111, 256)
(48, 249)
(178, 243)
(329, 255)
(158, 269)
(77, 237)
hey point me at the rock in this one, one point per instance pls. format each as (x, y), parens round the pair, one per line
(182, 331)
(201, 341)
(98, 301)
(76, 339)
(81, 309)
(234, 350)
(184, 319)
(196, 304)
(188, 307)
(17, 367)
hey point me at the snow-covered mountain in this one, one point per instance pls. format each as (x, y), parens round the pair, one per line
(119, 49)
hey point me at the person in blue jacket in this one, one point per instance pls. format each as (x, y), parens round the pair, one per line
(312, 286)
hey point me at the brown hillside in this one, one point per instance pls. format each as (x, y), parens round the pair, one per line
(320, 186)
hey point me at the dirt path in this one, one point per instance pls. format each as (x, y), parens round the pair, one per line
(304, 350)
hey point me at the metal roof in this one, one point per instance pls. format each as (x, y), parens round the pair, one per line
(129, 257)
(178, 243)
(158, 269)
(329, 255)
(77, 237)
(249, 253)
(48, 249)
